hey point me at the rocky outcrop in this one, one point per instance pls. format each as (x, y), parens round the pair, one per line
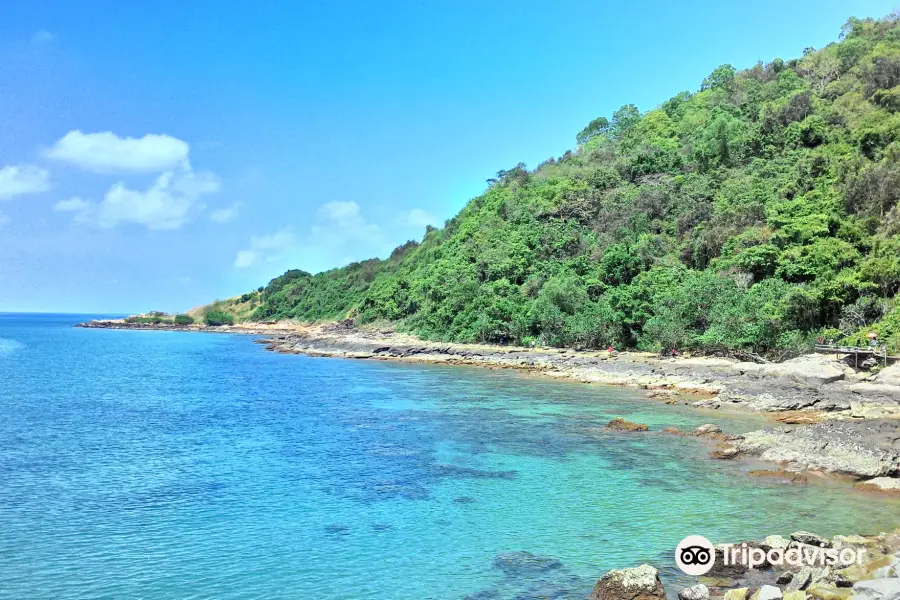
(811, 369)
(620, 424)
(889, 375)
(863, 449)
(888, 485)
(639, 583)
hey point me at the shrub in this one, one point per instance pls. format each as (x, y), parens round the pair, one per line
(218, 317)
(183, 320)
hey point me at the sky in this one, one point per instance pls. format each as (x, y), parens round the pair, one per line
(158, 156)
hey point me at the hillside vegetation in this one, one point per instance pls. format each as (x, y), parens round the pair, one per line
(754, 214)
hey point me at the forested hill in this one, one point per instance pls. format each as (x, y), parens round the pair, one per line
(756, 213)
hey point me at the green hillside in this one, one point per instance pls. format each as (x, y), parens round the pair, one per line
(756, 213)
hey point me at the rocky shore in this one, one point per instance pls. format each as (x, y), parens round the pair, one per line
(832, 419)
(864, 568)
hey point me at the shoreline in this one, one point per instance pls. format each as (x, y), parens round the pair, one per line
(829, 419)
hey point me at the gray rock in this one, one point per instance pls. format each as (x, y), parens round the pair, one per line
(805, 537)
(639, 583)
(768, 592)
(708, 428)
(807, 576)
(776, 541)
(889, 375)
(877, 589)
(695, 592)
(859, 448)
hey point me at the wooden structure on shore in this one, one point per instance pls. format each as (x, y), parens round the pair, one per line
(879, 354)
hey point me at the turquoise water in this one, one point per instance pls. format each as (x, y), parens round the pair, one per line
(179, 465)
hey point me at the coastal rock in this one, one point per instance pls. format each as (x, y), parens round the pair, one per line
(824, 591)
(811, 369)
(805, 537)
(877, 589)
(862, 448)
(890, 485)
(889, 375)
(737, 594)
(620, 424)
(708, 429)
(880, 567)
(807, 576)
(639, 583)
(889, 570)
(795, 595)
(776, 541)
(767, 592)
(695, 592)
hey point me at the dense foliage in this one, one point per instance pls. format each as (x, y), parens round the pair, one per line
(217, 317)
(754, 214)
(183, 320)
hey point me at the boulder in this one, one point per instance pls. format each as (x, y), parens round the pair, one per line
(767, 592)
(707, 429)
(736, 594)
(889, 375)
(805, 537)
(807, 576)
(695, 592)
(795, 595)
(620, 424)
(877, 589)
(776, 541)
(824, 591)
(639, 583)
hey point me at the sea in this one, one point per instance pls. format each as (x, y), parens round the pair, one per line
(151, 464)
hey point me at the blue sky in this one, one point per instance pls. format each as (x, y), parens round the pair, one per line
(161, 155)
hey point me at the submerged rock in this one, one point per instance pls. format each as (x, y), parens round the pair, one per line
(639, 583)
(620, 424)
(517, 564)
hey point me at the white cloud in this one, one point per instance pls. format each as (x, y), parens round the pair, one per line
(18, 180)
(418, 217)
(224, 215)
(174, 199)
(105, 152)
(268, 248)
(4, 220)
(71, 205)
(340, 235)
(339, 210)
(42, 38)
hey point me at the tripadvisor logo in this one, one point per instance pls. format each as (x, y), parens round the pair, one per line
(695, 555)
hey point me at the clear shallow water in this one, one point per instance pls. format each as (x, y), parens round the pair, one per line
(167, 465)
